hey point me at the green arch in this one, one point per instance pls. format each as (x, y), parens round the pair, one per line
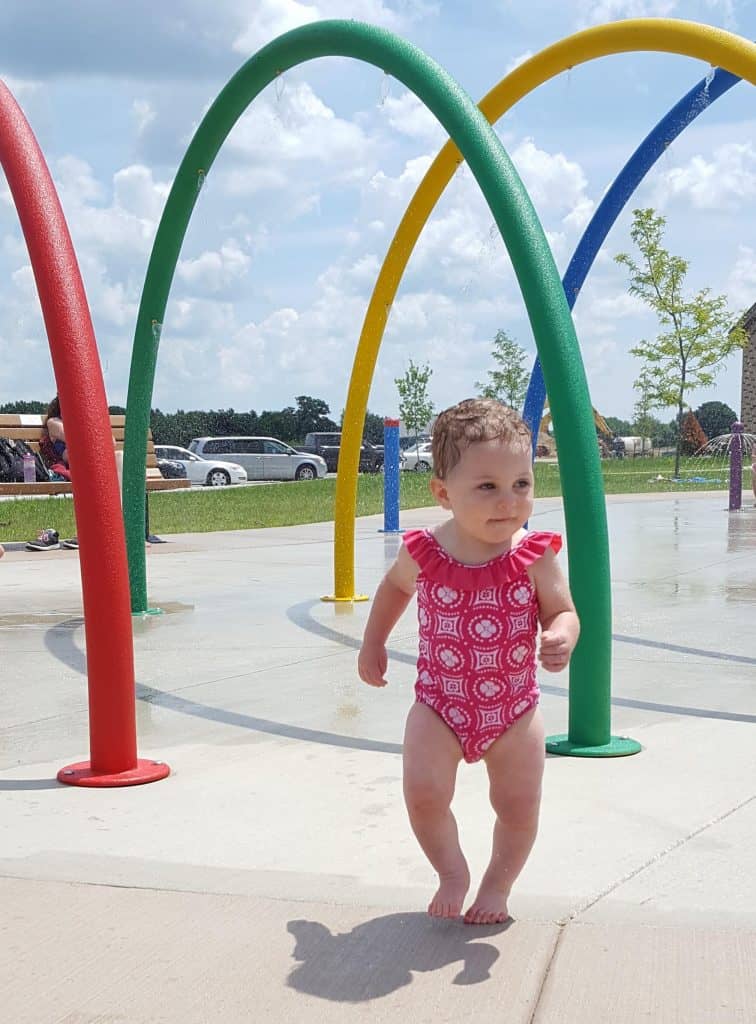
(533, 263)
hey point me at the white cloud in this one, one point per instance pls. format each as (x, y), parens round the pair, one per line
(294, 129)
(741, 285)
(516, 61)
(553, 180)
(401, 188)
(116, 233)
(461, 247)
(608, 309)
(75, 180)
(596, 12)
(725, 182)
(288, 234)
(23, 280)
(248, 180)
(727, 10)
(408, 115)
(272, 17)
(22, 88)
(137, 193)
(577, 219)
(416, 313)
(214, 271)
(144, 115)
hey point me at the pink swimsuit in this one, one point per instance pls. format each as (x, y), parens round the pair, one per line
(478, 624)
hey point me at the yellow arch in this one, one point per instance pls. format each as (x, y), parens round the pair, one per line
(665, 35)
(598, 419)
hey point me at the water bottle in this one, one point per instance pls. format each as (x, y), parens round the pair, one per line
(30, 469)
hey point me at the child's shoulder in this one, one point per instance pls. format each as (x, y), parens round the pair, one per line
(539, 549)
(539, 542)
(419, 544)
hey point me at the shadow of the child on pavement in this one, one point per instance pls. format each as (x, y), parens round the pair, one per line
(380, 956)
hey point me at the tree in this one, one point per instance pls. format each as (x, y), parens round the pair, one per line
(508, 383)
(622, 427)
(312, 415)
(715, 418)
(663, 435)
(373, 431)
(415, 406)
(281, 424)
(643, 421)
(692, 437)
(698, 333)
(38, 408)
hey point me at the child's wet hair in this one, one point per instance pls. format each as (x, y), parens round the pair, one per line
(471, 421)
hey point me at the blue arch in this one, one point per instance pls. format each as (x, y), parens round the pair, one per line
(699, 98)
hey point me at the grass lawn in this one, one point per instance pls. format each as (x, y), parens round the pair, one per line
(249, 508)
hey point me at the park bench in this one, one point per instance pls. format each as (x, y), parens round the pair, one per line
(27, 427)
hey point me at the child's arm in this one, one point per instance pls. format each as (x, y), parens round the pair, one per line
(391, 598)
(560, 626)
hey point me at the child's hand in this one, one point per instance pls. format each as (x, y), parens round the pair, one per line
(555, 650)
(372, 663)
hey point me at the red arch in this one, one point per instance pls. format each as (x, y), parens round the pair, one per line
(102, 547)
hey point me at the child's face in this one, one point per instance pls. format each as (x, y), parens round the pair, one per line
(489, 491)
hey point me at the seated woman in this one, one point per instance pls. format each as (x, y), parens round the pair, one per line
(52, 443)
(52, 448)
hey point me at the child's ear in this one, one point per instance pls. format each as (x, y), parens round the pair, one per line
(439, 492)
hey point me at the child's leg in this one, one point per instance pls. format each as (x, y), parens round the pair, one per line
(515, 769)
(431, 756)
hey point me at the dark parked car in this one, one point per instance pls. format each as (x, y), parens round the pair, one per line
(413, 441)
(171, 470)
(327, 444)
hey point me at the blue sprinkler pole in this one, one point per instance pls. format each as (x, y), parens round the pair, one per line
(391, 477)
(700, 97)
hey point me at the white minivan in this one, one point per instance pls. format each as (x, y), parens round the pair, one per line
(264, 458)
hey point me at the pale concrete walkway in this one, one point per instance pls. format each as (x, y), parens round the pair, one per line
(273, 876)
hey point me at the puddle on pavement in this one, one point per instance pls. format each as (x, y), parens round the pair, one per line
(166, 607)
(74, 619)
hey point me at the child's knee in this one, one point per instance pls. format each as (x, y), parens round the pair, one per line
(517, 810)
(426, 797)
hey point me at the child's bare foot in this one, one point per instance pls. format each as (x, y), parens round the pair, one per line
(490, 906)
(451, 893)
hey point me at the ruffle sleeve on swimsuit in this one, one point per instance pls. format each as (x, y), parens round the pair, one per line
(438, 565)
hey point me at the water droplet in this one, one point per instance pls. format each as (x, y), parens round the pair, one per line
(385, 88)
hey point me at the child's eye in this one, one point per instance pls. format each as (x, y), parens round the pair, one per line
(487, 486)
(524, 484)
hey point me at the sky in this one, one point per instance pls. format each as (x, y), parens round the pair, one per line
(291, 227)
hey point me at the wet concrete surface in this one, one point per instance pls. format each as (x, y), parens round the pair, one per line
(286, 781)
(245, 633)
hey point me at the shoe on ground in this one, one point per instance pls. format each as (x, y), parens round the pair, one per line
(73, 543)
(45, 540)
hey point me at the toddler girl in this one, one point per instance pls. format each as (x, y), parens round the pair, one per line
(483, 583)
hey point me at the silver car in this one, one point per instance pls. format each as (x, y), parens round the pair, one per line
(264, 458)
(208, 472)
(419, 459)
